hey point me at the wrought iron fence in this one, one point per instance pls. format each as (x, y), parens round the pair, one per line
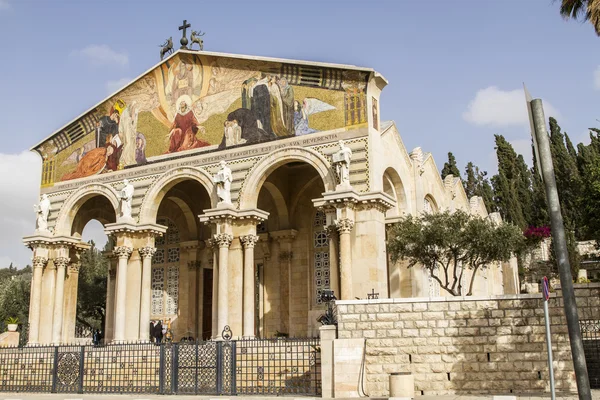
(228, 367)
(590, 333)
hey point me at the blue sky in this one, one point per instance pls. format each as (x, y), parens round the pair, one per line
(455, 68)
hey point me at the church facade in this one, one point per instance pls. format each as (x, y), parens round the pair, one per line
(234, 189)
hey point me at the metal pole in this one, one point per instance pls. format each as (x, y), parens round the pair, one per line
(549, 343)
(560, 249)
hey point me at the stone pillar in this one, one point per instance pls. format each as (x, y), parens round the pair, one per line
(36, 298)
(223, 240)
(109, 324)
(57, 321)
(344, 227)
(248, 301)
(70, 307)
(123, 252)
(211, 244)
(334, 253)
(145, 298)
(47, 303)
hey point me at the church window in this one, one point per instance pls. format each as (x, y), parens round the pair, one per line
(321, 278)
(429, 205)
(375, 114)
(165, 272)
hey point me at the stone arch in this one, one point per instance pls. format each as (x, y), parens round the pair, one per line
(249, 193)
(280, 204)
(431, 200)
(157, 191)
(394, 187)
(77, 199)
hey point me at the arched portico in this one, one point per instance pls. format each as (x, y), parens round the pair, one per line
(158, 190)
(71, 206)
(248, 197)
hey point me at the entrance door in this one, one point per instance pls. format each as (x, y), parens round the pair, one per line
(207, 282)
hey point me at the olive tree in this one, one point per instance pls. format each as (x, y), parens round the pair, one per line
(447, 244)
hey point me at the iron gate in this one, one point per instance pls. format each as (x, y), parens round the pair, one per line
(590, 333)
(228, 367)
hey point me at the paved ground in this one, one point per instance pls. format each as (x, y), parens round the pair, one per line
(36, 396)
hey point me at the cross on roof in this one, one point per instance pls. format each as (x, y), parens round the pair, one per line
(183, 28)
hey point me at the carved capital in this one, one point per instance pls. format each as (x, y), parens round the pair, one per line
(194, 265)
(249, 241)
(344, 225)
(223, 239)
(74, 268)
(210, 243)
(61, 262)
(123, 251)
(147, 252)
(39, 262)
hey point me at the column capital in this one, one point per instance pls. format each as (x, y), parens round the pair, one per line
(344, 225)
(74, 268)
(249, 241)
(194, 265)
(61, 262)
(210, 243)
(123, 251)
(223, 239)
(39, 262)
(147, 251)
(286, 255)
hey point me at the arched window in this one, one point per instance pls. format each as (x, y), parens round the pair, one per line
(321, 256)
(429, 205)
(165, 272)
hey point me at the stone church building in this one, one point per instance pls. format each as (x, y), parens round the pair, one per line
(310, 180)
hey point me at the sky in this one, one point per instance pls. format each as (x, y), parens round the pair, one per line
(455, 70)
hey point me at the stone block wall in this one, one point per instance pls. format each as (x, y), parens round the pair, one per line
(465, 345)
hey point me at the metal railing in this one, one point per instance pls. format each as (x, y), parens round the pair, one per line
(590, 333)
(229, 367)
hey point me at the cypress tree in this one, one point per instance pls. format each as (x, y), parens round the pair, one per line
(568, 181)
(507, 183)
(588, 158)
(450, 167)
(539, 211)
(477, 184)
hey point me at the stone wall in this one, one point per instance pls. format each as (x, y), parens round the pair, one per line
(464, 345)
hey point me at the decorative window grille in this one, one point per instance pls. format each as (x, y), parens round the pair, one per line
(321, 272)
(48, 172)
(165, 272)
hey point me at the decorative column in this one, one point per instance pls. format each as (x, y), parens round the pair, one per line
(223, 240)
(123, 252)
(59, 295)
(70, 310)
(145, 298)
(109, 324)
(211, 244)
(334, 253)
(344, 227)
(36, 298)
(248, 298)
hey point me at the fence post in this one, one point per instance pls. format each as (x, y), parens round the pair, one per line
(81, 364)
(175, 367)
(55, 370)
(161, 370)
(233, 368)
(219, 367)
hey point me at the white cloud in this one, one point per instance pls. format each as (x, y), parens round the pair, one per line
(101, 55)
(113, 86)
(523, 147)
(597, 78)
(4, 5)
(20, 179)
(495, 107)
